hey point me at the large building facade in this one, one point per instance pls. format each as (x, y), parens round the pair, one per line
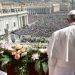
(35, 7)
(13, 21)
(47, 8)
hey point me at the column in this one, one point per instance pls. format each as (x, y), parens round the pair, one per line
(27, 19)
(19, 22)
(21, 25)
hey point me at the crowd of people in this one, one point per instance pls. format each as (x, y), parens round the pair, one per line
(46, 25)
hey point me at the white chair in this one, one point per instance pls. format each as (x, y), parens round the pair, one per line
(2, 73)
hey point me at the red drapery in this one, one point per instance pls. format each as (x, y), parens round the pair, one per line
(11, 70)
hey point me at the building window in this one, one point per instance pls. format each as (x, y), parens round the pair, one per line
(14, 24)
(7, 26)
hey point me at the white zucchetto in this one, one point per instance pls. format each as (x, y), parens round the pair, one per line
(72, 12)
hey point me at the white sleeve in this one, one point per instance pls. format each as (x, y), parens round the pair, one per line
(51, 61)
(51, 65)
(51, 45)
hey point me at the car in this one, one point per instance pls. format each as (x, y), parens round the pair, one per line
(23, 40)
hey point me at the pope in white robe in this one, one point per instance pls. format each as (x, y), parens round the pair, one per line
(61, 49)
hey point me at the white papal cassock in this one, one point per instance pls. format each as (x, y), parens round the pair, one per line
(61, 51)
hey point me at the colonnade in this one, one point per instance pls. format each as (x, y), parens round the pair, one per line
(39, 10)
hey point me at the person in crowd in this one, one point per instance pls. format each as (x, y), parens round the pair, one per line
(61, 49)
